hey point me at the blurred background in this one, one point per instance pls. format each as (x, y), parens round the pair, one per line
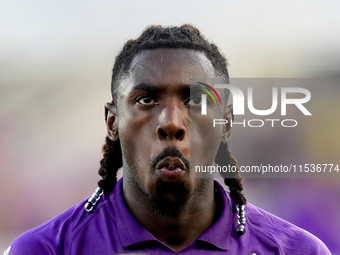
(55, 67)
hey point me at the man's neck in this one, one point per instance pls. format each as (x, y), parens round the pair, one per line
(176, 232)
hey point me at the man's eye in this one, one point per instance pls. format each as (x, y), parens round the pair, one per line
(195, 101)
(146, 100)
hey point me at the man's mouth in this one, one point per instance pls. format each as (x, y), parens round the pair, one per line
(170, 169)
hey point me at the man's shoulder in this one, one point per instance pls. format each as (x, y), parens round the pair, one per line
(288, 237)
(56, 235)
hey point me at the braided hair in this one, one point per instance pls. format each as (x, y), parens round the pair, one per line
(155, 37)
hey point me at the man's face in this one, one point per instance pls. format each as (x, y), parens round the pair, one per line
(160, 141)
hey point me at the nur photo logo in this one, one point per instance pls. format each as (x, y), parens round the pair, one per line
(204, 97)
(301, 95)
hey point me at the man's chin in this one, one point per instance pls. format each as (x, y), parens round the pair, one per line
(169, 199)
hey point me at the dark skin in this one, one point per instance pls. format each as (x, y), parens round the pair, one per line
(153, 111)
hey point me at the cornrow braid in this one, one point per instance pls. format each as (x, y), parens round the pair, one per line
(233, 180)
(112, 160)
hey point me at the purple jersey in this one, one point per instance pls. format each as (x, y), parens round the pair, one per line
(111, 229)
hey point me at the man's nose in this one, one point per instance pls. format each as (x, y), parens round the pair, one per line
(171, 123)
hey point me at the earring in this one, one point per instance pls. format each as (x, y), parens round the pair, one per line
(92, 201)
(241, 215)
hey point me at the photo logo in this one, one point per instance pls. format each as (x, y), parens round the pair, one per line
(239, 103)
(204, 97)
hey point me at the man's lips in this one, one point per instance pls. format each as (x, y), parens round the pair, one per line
(171, 163)
(170, 169)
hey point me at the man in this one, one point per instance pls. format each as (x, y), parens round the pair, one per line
(157, 133)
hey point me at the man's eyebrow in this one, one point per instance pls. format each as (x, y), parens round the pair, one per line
(197, 87)
(147, 87)
(157, 89)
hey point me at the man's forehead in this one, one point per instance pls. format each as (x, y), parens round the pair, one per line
(160, 63)
(167, 55)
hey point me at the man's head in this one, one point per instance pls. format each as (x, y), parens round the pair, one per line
(149, 119)
(157, 37)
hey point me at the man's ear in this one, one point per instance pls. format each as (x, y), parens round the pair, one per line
(111, 120)
(229, 116)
